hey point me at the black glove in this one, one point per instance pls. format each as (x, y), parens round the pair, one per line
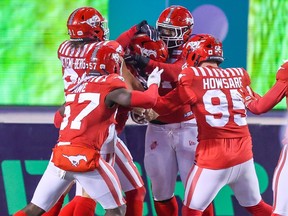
(144, 28)
(138, 61)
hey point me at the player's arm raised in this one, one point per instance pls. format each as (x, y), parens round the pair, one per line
(275, 94)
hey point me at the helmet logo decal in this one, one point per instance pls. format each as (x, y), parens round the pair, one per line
(189, 21)
(147, 52)
(93, 21)
(218, 49)
(194, 45)
(119, 49)
(116, 57)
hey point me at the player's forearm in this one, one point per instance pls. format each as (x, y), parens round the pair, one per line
(146, 99)
(269, 100)
(172, 101)
(125, 38)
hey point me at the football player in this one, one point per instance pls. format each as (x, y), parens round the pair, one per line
(171, 139)
(92, 27)
(90, 107)
(259, 105)
(224, 153)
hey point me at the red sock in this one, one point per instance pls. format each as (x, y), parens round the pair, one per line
(134, 201)
(85, 207)
(68, 209)
(54, 211)
(190, 212)
(167, 207)
(20, 213)
(261, 209)
(209, 211)
(275, 214)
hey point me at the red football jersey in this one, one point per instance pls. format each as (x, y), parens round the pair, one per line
(216, 102)
(74, 60)
(87, 119)
(169, 82)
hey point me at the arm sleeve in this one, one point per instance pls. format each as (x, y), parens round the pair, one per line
(121, 118)
(146, 99)
(57, 119)
(176, 98)
(171, 71)
(269, 100)
(125, 38)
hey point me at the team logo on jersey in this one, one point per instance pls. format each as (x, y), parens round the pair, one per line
(75, 160)
(93, 21)
(147, 52)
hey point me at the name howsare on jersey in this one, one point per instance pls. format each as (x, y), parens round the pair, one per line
(227, 83)
(219, 78)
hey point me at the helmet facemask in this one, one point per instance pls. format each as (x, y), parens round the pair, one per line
(173, 36)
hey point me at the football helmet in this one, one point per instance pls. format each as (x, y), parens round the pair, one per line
(175, 25)
(106, 58)
(86, 23)
(202, 48)
(143, 45)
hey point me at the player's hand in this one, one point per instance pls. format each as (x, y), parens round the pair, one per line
(138, 61)
(282, 73)
(155, 77)
(144, 28)
(150, 114)
(244, 95)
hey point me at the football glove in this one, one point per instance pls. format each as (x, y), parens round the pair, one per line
(138, 61)
(155, 77)
(144, 28)
(282, 73)
(245, 96)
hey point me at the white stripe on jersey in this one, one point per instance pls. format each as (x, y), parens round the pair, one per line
(209, 71)
(78, 52)
(62, 46)
(237, 71)
(219, 71)
(215, 72)
(202, 71)
(67, 49)
(87, 48)
(231, 71)
(196, 73)
(227, 74)
(240, 70)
